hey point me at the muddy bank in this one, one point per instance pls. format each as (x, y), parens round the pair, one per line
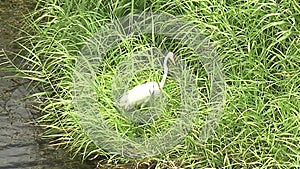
(20, 142)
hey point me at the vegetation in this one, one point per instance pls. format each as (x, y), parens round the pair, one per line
(259, 45)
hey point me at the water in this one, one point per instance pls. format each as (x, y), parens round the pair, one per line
(20, 144)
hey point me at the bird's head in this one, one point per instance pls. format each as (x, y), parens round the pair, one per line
(170, 55)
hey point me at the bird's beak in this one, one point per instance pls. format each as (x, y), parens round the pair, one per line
(173, 61)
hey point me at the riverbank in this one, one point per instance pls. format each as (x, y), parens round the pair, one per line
(21, 146)
(258, 43)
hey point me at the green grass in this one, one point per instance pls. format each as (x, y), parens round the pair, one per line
(257, 41)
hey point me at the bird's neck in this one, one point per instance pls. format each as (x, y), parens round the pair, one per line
(163, 80)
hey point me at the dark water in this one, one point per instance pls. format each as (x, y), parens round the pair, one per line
(20, 143)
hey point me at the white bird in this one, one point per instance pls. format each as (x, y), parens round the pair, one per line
(142, 93)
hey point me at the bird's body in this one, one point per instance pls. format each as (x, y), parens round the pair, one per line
(142, 93)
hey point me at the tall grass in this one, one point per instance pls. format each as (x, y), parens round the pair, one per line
(258, 41)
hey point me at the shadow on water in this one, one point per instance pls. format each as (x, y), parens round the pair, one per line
(20, 146)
